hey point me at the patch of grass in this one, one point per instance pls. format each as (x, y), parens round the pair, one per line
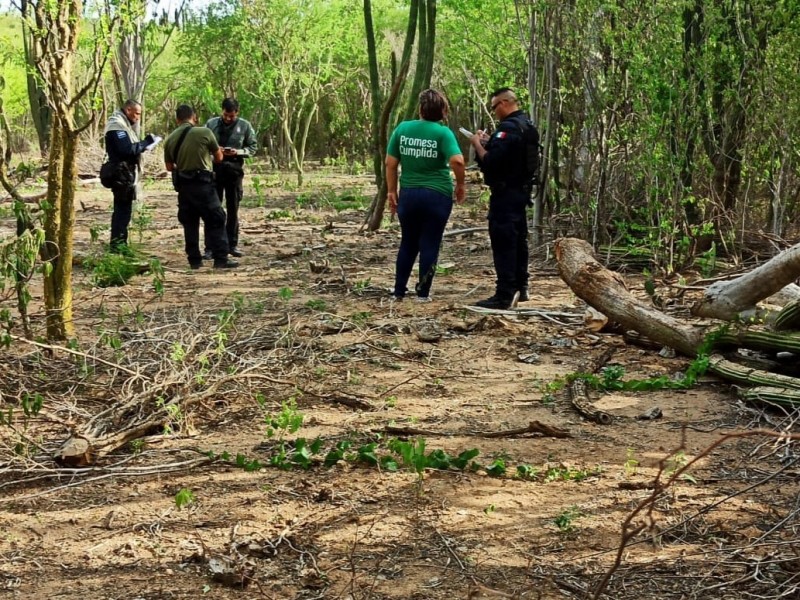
(317, 304)
(328, 198)
(278, 214)
(563, 473)
(110, 269)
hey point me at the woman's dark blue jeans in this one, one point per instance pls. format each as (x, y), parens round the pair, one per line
(423, 215)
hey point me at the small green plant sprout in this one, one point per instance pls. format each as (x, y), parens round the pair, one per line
(412, 454)
(31, 403)
(564, 521)
(278, 214)
(361, 286)
(142, 220)
(566, 473)
(178, 352)
(285, 294)
(316, 304)
(489, 509)
(288, 420)
(675, 463)
(249, 465)
(339, 452)
(173, 413)
(630, 463)
(390, 402)
(185, 497)
(360, 318)
(526, 472)
(157, 271)
(708, 261)
(95, 233)
(111, 339)
(550, 389)
(445, 269)
(497, 468)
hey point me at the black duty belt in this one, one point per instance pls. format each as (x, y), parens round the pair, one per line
(197, 175)
(506, 187)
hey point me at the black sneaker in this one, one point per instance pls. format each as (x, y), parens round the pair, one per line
(236, 252)
(225, 263)
(495, 302)
(195, 265)
(208, 255)
(523, 295)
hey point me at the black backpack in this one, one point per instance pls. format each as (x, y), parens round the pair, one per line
(533, 149)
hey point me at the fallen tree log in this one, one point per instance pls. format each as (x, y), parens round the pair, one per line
(726, 299)
(606, 291)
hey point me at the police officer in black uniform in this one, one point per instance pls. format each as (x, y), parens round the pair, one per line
(502, 159)
(188, 151)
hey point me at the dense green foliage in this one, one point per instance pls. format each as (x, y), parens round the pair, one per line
(670, 125)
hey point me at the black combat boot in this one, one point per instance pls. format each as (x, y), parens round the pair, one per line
(496, 302)
(225, 263)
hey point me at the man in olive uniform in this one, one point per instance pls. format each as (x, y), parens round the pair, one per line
(502, 159)
(123, 146)
(189, 151)
(237, 139)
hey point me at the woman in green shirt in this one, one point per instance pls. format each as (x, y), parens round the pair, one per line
(427, 150)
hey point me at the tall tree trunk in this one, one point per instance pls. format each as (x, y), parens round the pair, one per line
(374, 215)
(744, 32)
(131, 61)
(375, 93)
(59, 222)
(430, 44)
(56, 40)
(685, 149)
(37, 97)
(375, 212)
(426, 36)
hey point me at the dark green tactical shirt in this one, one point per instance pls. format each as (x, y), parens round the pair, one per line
(196, 151)
(239, 134)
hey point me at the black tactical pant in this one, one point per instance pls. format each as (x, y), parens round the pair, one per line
(121, 215)
(229, 177)
(508, 232)
(198, 200)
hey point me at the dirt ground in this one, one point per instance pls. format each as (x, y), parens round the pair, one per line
(307, 320)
